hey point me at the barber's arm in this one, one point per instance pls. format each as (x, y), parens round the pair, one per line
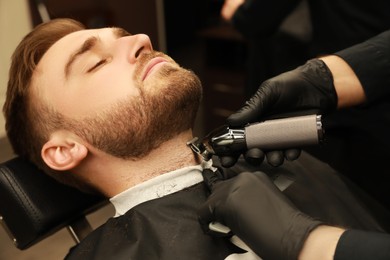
(370, 61)
(261, 216)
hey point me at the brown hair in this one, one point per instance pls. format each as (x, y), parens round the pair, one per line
(28, 121)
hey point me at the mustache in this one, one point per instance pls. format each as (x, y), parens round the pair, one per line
(143, 60)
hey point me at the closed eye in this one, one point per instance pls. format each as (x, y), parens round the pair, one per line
(101, 62)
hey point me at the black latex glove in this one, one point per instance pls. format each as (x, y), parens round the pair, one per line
(306, 88)
(258, 213)
(256, 156)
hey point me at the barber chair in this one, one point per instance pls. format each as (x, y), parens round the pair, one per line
(33, 206)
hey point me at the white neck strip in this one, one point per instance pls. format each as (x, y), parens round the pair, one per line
(158, 187)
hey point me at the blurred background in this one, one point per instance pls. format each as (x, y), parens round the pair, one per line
(191, 31)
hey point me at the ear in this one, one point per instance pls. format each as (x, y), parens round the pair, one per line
(62, 152)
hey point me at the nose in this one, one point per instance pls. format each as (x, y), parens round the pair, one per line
(135, 45)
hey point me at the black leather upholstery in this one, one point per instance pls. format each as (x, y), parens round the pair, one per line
(34, 206)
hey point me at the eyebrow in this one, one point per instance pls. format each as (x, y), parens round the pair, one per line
(120, 32)
(88, 45)
(85, 47)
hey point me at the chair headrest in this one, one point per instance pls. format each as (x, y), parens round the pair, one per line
(34, 206)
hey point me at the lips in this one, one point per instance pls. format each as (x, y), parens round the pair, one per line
(152, 65)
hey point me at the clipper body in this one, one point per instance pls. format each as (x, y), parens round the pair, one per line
(291, 132)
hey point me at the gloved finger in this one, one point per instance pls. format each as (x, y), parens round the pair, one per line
(206, 210)
(292, 154)
(254, 156)
(205, 217)
(226, 173)
(275, 158)
(228, 161)
(210, 178)
(248, 113)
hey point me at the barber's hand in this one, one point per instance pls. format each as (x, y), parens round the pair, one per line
(229, 8)
(308, 87)
(257, 212)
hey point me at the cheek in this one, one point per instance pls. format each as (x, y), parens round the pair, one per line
(115, 80)
(97, 94)
(114, 86)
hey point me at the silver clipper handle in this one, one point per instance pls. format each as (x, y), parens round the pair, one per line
(285, 132)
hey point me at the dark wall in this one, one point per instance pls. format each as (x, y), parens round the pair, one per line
(136, 16)
(183, 19)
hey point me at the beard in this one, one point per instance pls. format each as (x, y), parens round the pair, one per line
(133, 127)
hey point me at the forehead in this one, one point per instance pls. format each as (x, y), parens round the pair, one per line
(69, 43)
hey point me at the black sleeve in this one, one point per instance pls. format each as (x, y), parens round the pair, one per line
(259, 18)
(370, 61)
(356, 244)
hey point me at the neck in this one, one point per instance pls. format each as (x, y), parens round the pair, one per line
(112, 175)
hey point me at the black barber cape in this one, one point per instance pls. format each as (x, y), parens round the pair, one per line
(164, 228)
(168, 228)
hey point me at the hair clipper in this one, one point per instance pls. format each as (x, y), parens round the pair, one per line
(274, 134)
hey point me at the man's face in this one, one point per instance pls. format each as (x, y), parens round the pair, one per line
(115, 91)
